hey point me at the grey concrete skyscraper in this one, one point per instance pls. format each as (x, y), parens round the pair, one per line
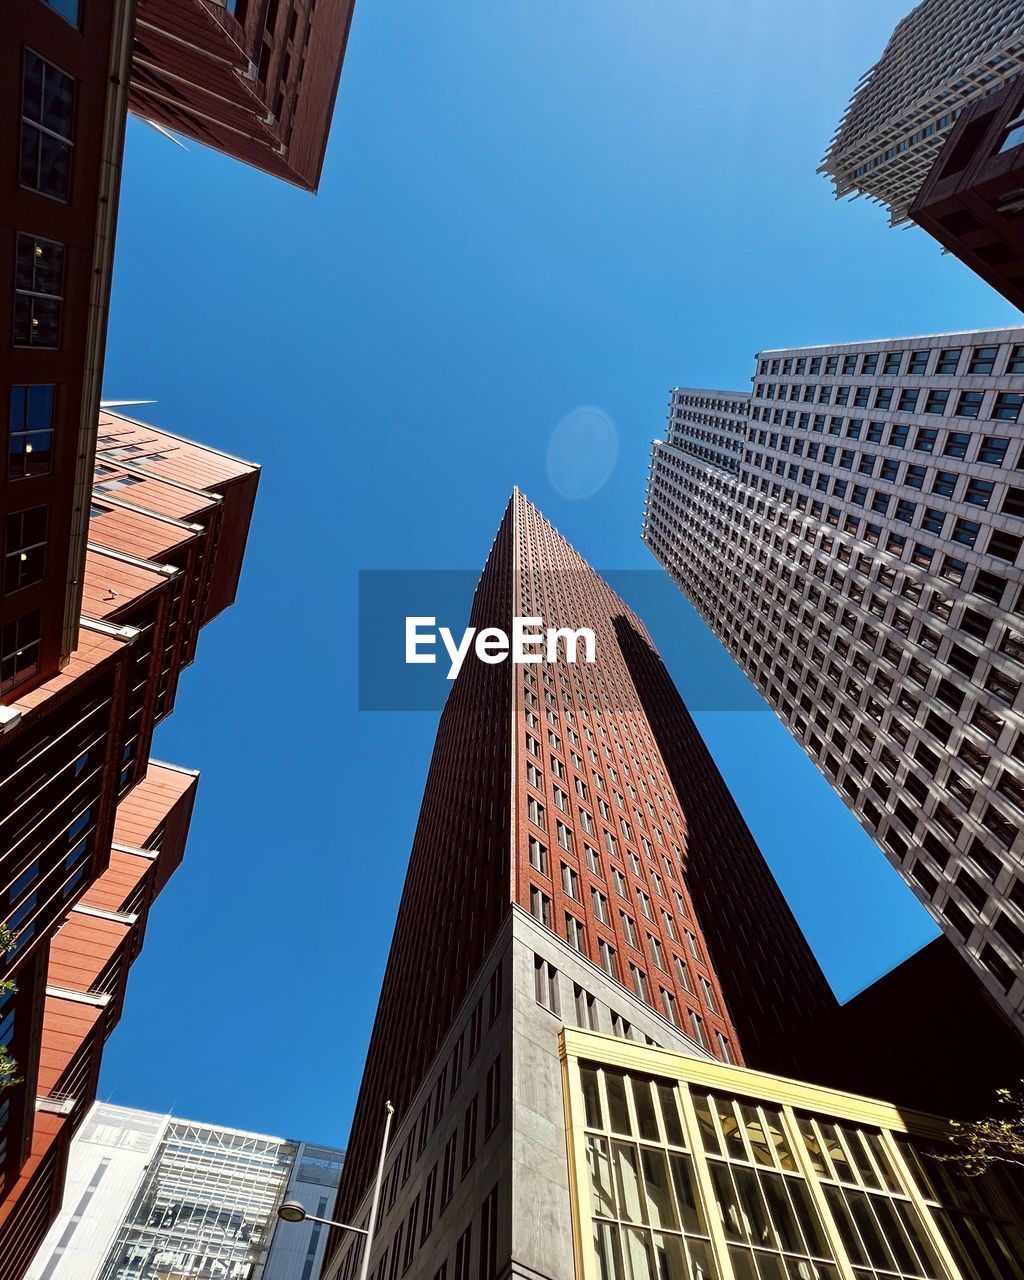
(852, 530)
(943, 55)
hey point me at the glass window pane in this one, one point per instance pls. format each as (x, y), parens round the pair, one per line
(777, 1138)
(617, 1109)
(781, 1212)
(638, 1251)
(742, 1264)
(728, 1204)
(708, 1132)
(608, 1250)
(646, 1117)
(686, 1195)
(591, 1097)
(602, 1196)
(627, 1183)
(701, 1266)
(730, 1128)
(660, 1207)
(759, 1229)
(670, 1115)
(669, 1258)
(755, 1135)
(860, 1206)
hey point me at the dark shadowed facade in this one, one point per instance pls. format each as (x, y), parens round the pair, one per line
(972, 201)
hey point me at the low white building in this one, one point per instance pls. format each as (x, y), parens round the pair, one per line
(152, 1197)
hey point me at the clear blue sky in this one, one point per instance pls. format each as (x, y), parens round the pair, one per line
(528, 208)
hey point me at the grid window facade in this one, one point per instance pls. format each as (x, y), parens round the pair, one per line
(887, 632)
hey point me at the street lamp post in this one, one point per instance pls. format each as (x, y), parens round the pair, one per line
(294, 1211)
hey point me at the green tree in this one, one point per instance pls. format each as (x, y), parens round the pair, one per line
(995, 1139)
(8, 1067)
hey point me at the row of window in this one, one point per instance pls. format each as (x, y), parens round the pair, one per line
(1005, 406)
(991, 450)
(930, 360)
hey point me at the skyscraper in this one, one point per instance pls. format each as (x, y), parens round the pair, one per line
(577, 858)
(942, 56)
(63, 99)
(256, 79)
(91, 827)
(972, 198)
(852, 531)
(153, 1196)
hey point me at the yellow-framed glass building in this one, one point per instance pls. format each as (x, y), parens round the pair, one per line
(685, 1169)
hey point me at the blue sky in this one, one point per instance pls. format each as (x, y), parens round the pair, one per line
(528, 209)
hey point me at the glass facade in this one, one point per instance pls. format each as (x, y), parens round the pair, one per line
(205, 1209)
(721, 1174)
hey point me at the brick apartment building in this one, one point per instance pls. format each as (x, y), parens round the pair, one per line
(91, 826)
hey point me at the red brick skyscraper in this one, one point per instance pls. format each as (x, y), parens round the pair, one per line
(550, 874)
(91, 827)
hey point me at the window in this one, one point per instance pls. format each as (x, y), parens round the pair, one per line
(966, 532)
(30, 431)
(969, 404)
(957, 443)
(1006, 546)
(540, 906)
(978, 492)
(639, 982)
(19, 649)
(993, 450)
(683, 974)
(936, 402)
(983, 359)
(546, 984)
(575, 933)
(492, 1097)
(708, 994)
(38, 292)
(918, 362)
(697, 1027)
(489, 1236)
(1008, 405)
(66, 8)
(668, 1005)
(538, 856)
(47, 109)
(564, 836)
(926, 437)
(24, 548)
(606, 955)
(949, 360)
(462, 1255)
(892, 362)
